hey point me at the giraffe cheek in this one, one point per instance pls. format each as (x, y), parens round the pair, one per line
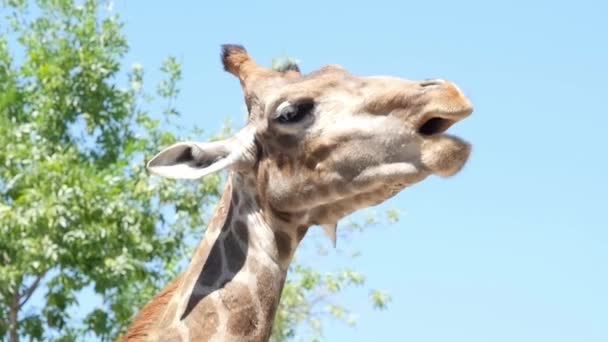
(279, 192)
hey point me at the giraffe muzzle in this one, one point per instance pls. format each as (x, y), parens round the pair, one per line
(447, 105)
(443, 154)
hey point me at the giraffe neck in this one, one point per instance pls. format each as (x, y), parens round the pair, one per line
(232, 287)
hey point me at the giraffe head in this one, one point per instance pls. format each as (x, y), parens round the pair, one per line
(323, 145)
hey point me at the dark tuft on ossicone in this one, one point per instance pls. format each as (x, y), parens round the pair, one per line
(227, 51)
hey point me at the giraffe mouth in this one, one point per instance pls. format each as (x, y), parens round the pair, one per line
(435, 125)
(442, 154)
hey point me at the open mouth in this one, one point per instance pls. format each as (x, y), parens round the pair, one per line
(435, 125)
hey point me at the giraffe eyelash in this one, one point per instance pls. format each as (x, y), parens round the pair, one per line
(288, 113)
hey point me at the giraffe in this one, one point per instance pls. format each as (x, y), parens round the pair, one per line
(316, 148)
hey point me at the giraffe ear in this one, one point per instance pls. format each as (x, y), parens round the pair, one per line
(192, 160)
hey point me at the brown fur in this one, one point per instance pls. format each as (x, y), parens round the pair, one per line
(356, 142)
(283, 242)
(149, 316)
(207, 322)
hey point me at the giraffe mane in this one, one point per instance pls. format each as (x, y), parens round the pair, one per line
(150, 314)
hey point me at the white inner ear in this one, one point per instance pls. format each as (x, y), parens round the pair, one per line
(186, 171)
(205, 158)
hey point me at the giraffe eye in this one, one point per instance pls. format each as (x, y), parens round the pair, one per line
(288, 113)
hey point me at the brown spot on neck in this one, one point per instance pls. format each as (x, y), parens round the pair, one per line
(235, 296)
(204, 321)
(283, 242)
(268, 291)
(240, 229)
(235, 255)
(244, 323)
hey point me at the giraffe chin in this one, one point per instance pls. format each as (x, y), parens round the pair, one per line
(445, 155)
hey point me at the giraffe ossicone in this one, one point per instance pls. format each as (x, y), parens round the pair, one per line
(315, 148)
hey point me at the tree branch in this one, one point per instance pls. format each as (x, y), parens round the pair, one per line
(13, 318)
(25, 296)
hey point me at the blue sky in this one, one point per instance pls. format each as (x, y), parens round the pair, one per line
(515, 247)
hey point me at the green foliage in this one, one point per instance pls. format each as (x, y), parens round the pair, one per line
(77, 208)
(380, 299)
(308, 298)
(78, 212)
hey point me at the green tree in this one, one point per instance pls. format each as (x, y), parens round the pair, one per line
(77, 209)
